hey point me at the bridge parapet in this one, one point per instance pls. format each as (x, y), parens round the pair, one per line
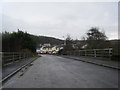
(92, 52)
(10, 57)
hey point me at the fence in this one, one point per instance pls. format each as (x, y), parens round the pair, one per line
(92, 52)
(8, 57)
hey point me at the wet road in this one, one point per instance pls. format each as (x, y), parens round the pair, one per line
(6, 70)
(56, 72)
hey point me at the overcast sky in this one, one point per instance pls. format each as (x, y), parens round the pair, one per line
(57, 19)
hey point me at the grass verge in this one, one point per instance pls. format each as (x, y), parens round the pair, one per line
(37, 56)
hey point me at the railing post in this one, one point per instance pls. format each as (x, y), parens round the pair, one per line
(24, 55)
(110, 53)
(85, 52)
(19, 56)
(94, 53)
(13, 57)
(74, 53)
(2, 55)
(69, 53)
(80, 53)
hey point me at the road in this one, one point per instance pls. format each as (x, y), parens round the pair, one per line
(57, 72)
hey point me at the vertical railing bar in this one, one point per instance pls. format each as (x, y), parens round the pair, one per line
(13, 57)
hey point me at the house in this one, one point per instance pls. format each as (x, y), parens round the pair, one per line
(49, 49)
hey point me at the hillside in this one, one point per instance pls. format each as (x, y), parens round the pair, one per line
(19, 41)
(115, 41)
(45, 39)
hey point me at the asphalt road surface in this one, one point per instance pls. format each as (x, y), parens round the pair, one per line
(57, 72)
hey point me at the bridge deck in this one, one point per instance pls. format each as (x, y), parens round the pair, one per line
(58, 72)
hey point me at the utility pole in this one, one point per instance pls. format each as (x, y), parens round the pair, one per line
(64, 41)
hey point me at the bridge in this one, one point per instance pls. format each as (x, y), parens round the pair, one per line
(50, 71)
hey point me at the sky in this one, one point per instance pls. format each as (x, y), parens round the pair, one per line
(57, 19)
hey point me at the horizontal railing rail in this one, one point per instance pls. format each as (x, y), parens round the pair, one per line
(10, 57)
(92, 52)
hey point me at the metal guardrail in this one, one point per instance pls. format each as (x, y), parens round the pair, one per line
(9, 57)
(92, 52)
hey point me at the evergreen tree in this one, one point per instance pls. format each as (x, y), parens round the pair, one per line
(95, 39)
(17, 41)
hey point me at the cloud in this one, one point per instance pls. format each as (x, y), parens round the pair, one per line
(59, 19)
